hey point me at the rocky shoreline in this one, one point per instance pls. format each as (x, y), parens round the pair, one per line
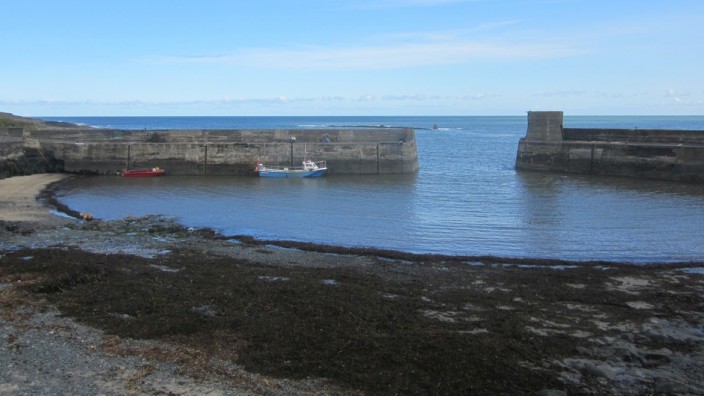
(144, 305)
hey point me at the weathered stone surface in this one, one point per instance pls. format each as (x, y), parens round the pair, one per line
(639, 153)
(193, 152)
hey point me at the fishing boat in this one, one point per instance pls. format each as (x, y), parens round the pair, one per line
(143, 172)
(308, 169)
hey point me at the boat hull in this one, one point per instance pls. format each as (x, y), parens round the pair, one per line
(309, 169)
(292, 173)
(143, 173)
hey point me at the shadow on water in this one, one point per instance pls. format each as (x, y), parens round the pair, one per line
(538, 181)
(627, 219)
(347, 210)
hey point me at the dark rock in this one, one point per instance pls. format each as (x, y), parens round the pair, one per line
(551, 392)
(671, 387)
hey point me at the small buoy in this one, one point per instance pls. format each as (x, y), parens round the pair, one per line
(87, 216)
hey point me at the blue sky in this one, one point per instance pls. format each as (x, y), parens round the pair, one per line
(363, 57)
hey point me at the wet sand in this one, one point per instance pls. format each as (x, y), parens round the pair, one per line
(18, 198)
(191, 312)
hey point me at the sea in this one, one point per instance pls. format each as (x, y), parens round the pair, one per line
(466, 199)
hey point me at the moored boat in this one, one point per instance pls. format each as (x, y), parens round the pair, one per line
(308, 169)
(143, 172)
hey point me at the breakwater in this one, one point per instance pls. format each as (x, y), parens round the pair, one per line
(199, 152)
(676, 155)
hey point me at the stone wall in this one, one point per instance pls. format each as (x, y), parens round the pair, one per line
(194, 152)
(650, 154)
(18, 158)
(634, 135)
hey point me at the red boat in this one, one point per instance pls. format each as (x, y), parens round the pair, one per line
(143, 172)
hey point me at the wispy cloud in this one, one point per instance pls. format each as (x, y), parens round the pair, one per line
(145, 103)
(672, 93)
(405, 55)
(494, 25)
(411, 97)
(681, 98)
(237, 101)
(479, 96)
(620, 95)
(376, 4)
(571, 92)
(448, 35)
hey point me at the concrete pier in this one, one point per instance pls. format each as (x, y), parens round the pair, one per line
(676, 155)
(199, 152)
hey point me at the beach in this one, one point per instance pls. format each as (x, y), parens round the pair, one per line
(146, 306)
(18, 198)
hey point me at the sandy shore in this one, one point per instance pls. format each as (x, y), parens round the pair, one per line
(18, 198)
(145, 306)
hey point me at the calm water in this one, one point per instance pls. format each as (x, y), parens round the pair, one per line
(466, 199)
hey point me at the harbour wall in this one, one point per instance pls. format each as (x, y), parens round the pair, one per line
(199, 152)
(676, 155)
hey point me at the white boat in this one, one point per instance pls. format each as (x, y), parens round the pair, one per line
(308, 169)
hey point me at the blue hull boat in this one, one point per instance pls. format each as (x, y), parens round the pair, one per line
(309, 169)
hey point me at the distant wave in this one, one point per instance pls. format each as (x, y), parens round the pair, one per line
(377, 126)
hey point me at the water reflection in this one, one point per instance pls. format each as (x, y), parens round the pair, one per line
(503, 212)
(361, 210)
(614, 217)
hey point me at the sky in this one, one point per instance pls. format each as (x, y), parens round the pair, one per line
(362, 57)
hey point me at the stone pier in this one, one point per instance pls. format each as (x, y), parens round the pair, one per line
(200, 152)
(676, 155)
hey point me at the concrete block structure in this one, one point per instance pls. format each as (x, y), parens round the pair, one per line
(200, 152)
(676, 155)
